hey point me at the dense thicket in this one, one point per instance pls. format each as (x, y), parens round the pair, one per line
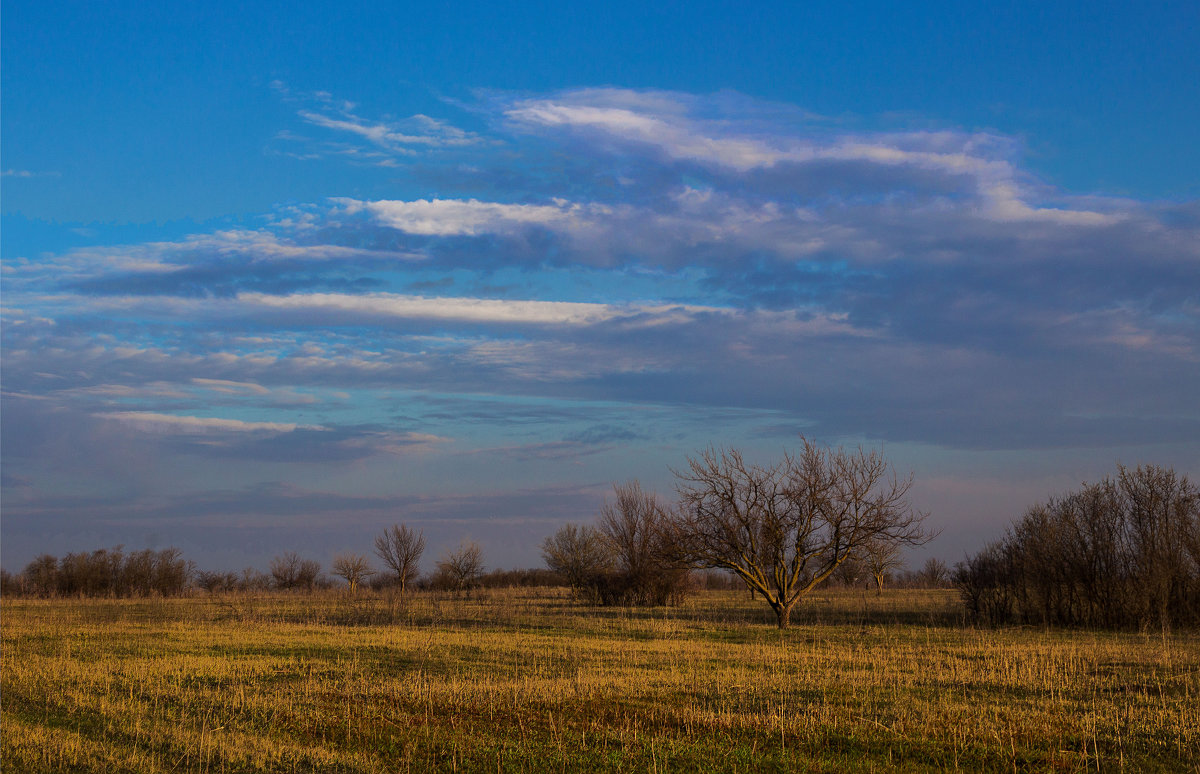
(1124, 552)
(106, 573)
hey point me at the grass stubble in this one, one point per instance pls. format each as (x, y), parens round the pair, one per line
(527, 680)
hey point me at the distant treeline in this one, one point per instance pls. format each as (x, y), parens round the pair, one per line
(253, 580)
(111, 572)
(1121, 553)
(106, 572)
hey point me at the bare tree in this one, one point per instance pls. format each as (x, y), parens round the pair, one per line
(253, 580)
(292, 572)
(310, 575)
(11, 585)
(882, 556)
(579, 554)
(42, 576)
(462, 567)
(784, 528)
(215, 582)
(934, 573)
(285, 569)
(640, 537)
(400, 548)
(354, 568)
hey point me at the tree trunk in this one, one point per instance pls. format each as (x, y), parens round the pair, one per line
(783, 614)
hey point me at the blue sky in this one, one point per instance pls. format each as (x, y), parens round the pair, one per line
(275, 278)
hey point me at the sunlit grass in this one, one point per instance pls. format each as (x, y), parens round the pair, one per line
(531, 681)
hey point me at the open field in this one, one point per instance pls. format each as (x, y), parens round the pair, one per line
(527, 680)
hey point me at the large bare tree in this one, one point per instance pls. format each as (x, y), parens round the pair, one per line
(783, 528)
(400, 548)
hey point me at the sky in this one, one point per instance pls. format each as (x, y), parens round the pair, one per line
(277, 276)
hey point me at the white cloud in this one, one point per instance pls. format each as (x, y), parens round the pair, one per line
(483, 310)
(166, 258)
(393, 443)
(147, 421)
(458, 217)
(664, 122)
(266, 245)
(401, 306)
(684, 219)
(231, 387)
(371, 141)
(125, 391)
(675, 137)
(25, 173)
(376, 142)
(1003, 203)
(392, 137)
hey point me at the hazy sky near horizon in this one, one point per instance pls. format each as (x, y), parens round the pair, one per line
(276, 277)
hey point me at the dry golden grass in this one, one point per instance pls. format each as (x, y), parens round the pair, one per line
(530, 681)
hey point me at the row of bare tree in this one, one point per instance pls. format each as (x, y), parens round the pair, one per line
(1121, 553)
(400, 549)
(111, 572)
(880, 568)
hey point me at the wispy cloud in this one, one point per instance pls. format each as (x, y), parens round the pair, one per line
(482, 309)
(452, 217)
(667, 124)
(374, 141)
(394, 137)
(25, 173)
(227, 251)
(168, 423)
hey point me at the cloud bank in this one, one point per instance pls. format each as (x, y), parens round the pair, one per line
(613, 272)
